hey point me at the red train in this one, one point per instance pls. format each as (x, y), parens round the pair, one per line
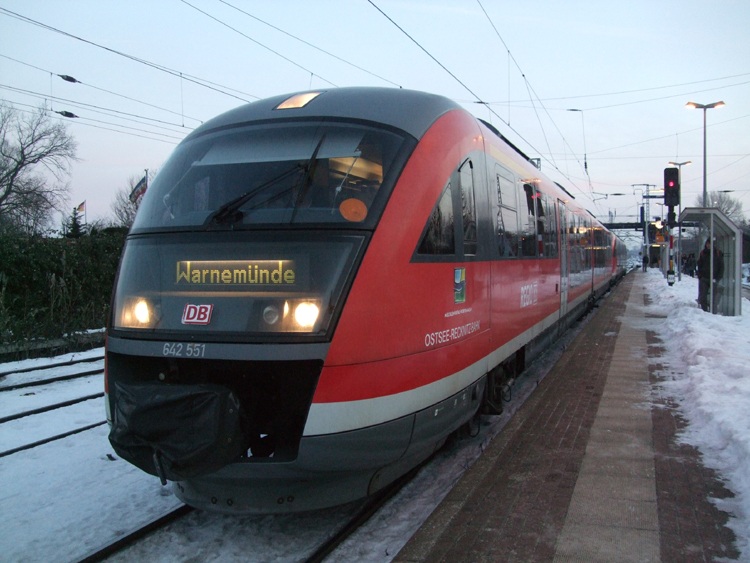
(319, 288)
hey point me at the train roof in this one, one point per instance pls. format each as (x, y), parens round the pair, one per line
(408, 110)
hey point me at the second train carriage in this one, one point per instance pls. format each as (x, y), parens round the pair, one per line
(319, 288)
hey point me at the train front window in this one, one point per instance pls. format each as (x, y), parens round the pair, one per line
(283, 174)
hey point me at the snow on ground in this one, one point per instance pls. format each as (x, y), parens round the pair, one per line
(63, 499)
(40, 396)
(29, 429)
(207, 537)
(67, 497)
(707, 360)
(40, 363)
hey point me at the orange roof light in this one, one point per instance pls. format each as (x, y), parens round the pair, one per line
(298, 100)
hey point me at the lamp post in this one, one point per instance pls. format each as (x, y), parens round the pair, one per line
(704, 107)
(679, 166)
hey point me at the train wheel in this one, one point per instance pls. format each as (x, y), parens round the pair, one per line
(493, 392)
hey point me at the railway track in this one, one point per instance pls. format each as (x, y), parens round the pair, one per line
(50, 407)
(368, 508)
(330, 541)
(51, 439)
(100, 554)
(39, 382)
(337, 533)
(50, 366)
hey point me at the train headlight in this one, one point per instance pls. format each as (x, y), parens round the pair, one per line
(139, 312)
(295, 314)
(305, 314)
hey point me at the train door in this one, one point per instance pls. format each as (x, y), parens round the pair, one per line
(474, 224)
(564, 267)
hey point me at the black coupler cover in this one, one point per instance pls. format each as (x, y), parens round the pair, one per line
(177, 431)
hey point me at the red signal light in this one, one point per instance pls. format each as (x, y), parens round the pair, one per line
(671, 187)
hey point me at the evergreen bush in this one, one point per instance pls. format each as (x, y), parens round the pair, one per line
(51, 288)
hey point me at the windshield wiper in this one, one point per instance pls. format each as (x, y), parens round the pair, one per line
(229, 212)
(312, 165)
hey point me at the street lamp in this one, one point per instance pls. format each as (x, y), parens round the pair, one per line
(604, 196)
(681, 164)
(704, 107)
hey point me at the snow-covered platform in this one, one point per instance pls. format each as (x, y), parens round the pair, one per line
(590, 468)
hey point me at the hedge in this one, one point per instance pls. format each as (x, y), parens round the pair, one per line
(54, 287)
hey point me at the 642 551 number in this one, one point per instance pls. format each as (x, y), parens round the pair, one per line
(178, 350)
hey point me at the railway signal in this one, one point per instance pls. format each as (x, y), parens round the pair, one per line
(672, 187)
(671, 200)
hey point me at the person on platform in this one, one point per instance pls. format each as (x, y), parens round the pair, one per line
(690, 265)
(645, 261)
(704, 274)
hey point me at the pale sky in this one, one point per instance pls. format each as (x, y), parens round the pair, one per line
(631, 66)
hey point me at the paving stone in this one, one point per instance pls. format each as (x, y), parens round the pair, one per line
(600, 544)
(616, 486)
(589, 468)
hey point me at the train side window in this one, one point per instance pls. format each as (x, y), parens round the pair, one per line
(574, 250)
(550, 234)
(507, 219)
(439, 237)
(528, 224)
(542, 231)
(586, 243)
(468, 208)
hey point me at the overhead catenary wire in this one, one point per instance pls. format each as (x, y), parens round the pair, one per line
(94, 108)
(257, 42)
(426, 51)
(621, 92)
(479, 100)
(647, 100)
(310, 44)
(71, 115)
(531, 90)
(72, 80)
(531, 98)
(190, 78)
(667, 136)
(63, 119)
(656, 156)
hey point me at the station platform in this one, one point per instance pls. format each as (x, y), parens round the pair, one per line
(588, 469)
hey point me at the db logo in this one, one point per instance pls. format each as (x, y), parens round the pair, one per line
(197, 314)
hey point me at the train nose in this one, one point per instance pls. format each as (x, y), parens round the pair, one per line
(177, 431)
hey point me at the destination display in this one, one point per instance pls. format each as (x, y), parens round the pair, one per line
(238, 273)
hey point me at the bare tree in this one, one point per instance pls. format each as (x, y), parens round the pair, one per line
(123, 209)
(31, 144)
(728, 205)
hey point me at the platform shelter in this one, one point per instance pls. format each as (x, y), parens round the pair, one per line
(725, 297)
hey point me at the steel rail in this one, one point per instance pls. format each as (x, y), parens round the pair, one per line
(100, 554)
(49, 380)
(48, 408)
(51, 439)
(49, 366)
